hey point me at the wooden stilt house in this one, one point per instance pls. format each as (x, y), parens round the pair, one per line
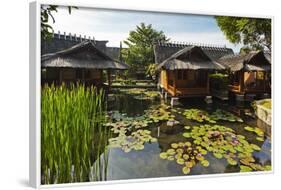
(248, 73)
(83, 62)
(185, 73)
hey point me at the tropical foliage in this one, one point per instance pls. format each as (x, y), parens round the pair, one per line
(47, 14)
(254, 33)
(139, 53)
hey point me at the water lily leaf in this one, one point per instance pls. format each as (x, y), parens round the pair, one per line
(232, 161)
(187, 127)
(153, 140)
(189, 164)
(187, 135)
(174, 145)
(255, 147)
(139, 147)
(170, 158)
(185, 156)
(171, 151)
(178, 155)
(217, 155)
(203, 151)
(186, 170)
(205, 163)
(199, 157)
(267, 168)
(187, 143)
(245, 168)
(180, 161)
(261, 139)
(248, 128)
(259, 132)
(163, 155)
(180, 150)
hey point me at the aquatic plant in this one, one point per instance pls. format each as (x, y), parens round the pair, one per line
(255, 130)
(223, 142)
(141, 93)
(135, 141)
(224, 116)
(160, 113)
(72, 133)
(203, 116)
(198, 115)
(185, 154)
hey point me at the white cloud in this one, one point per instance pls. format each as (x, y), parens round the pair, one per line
(103, 25)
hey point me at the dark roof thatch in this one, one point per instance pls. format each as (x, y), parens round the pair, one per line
(163, 50)
(192, 58)
(253, 61)
(82, 55)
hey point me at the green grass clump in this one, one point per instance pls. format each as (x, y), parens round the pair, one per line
(73, 137)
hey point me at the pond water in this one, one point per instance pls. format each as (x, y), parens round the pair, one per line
(144, 161)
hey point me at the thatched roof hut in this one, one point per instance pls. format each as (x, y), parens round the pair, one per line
(83, 55)
(192, 58)
(253, 61)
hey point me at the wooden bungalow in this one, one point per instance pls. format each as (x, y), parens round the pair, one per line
(249, 74)
(185, 73)
(83, 62)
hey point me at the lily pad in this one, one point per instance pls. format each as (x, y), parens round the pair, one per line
(180, 161)
(245, 168)
(261, 139)
(187, 127)
(186, 170)
(163, 155)
(255, 147)
(248, 128)
(205, 163)
(217, 155)
(187, 135)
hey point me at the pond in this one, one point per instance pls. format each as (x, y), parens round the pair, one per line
(151, 139)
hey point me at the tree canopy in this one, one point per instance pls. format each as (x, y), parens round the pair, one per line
(254, 33)
(139, 53)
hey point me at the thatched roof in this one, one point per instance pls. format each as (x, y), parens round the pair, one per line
(82, 55)
(192, 58)
(163, 50)
(253, 61)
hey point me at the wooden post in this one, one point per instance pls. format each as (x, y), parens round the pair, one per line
(264, 81)
(241, 81)
(83, 76)
(60, 76)
(109, 78)
(175, 82)
(208, 81)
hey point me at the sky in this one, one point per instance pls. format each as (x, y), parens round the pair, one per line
(115, 25)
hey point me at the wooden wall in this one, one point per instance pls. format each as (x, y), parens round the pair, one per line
(67, 75)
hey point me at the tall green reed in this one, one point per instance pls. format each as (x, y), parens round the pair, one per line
(73, 137)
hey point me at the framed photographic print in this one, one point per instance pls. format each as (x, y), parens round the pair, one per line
(128, 95)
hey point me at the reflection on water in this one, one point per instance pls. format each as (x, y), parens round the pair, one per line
(146, 163)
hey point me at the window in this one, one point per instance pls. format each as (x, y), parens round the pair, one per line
(260, 75)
